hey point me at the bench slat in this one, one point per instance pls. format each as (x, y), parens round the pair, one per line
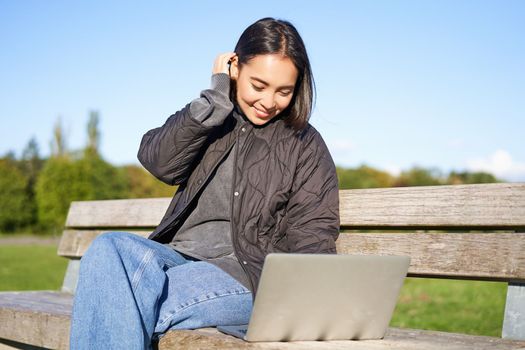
(478, 206)
(48, 326)
(74, 243)
(425, 206)
(37, 318)
(146, 212)
(480, 256)
(407, 339)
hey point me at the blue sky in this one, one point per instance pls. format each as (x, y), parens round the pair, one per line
(400, 83)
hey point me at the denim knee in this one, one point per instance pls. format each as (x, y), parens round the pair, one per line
(112, 237)
(109, 239)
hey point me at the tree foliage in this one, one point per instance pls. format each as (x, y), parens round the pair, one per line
(368, 177)
(93, 133)
(64, 180)
(142, 184)
(55, 188)
(457, 178)
(363, 177)
(37, 192)
(58, 144)
(418, 176)
(31, 164)
(68, 177)
(16, 208)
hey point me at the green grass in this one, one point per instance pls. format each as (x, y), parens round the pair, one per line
(35, 267)
(453, 306)
(470, 307)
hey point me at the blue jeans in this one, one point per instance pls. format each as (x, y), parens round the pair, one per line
(131, 290)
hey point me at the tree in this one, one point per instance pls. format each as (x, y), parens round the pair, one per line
(15, 206)
(31, 161)
(99, 179)
(64, 180)
(10, 156)
(56, 186)
(418, 176)
(31, 164)
(58, 144)
(93, 133)
(456, 178)
(363, 177)
(85, 176)
(142, 184)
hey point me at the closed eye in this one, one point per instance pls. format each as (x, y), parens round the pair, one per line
(282, 92)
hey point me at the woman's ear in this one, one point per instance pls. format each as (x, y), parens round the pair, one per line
(234, 68)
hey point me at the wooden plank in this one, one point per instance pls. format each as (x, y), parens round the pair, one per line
(480, 256)
(42, 319)
(74, 243)
(36, 318)
(455, 255)
(407, 339)
(483, 206)
(487, 205)
(117, 213)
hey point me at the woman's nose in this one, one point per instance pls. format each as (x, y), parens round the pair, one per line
(267, 102)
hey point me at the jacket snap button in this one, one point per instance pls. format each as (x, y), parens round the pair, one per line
(199, 182)
(236, 193)
(245, 262)
(243, 129)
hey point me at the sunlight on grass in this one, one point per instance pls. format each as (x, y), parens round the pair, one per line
(470, 307)
(34, 267)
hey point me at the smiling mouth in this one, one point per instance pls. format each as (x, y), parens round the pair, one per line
(260, 113)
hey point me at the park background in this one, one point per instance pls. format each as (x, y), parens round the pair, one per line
(409, 93)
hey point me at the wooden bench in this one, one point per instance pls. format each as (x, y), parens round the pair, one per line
(485, 240)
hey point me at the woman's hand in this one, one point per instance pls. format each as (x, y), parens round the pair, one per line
(221, 62)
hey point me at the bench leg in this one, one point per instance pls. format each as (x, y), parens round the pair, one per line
(71, 278)
(514, 320)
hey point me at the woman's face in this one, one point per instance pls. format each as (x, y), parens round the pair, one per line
(265, 86)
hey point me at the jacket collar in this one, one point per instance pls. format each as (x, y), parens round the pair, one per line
(239, 115)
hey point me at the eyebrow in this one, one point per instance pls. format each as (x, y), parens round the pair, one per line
(265, 83)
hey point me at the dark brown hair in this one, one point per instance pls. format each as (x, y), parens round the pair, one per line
(274, 36)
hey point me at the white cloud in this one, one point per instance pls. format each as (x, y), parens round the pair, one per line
(501, 164)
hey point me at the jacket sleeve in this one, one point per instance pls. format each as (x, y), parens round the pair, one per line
(168, 152)
(313, 208)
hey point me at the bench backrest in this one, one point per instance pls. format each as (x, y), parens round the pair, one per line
(485, 221)
(461, 231)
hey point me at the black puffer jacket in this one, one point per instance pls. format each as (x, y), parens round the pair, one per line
(285, 193)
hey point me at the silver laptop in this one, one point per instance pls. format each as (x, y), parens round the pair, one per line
(323, 297)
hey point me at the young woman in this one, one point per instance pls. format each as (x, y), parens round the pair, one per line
(254, 177)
